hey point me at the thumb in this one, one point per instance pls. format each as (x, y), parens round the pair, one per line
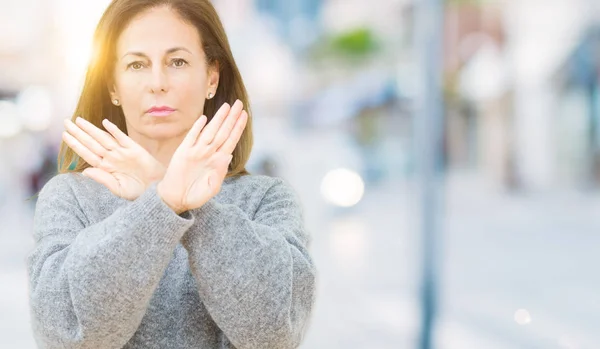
(213, 182)
(224, 163)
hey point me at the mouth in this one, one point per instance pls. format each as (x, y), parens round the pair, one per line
(160, 111)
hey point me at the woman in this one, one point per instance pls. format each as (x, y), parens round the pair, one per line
(154, 235)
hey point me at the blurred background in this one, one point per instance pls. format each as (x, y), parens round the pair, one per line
(337, 89)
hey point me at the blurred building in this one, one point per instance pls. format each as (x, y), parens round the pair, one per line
(297, 21)
(578, 117)
(503, 100)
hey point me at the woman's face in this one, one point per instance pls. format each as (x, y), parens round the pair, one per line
(161, 65)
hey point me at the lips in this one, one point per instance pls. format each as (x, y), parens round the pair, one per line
(160, 111)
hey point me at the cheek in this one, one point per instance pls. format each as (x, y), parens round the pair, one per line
(190, 90)
(131, 88)
(131, 91)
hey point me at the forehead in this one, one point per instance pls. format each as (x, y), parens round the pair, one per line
(157, 30)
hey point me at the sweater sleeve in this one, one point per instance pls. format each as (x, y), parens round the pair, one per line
(255, 275)
(90, 284)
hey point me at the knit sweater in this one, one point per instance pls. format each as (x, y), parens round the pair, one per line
(106, 272)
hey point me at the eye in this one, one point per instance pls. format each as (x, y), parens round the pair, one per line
(178, 62)
(135, 65)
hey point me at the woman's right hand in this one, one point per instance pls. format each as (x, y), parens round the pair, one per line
(116, 161)
(200, 164)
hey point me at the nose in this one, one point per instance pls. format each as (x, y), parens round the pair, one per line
(159, 80)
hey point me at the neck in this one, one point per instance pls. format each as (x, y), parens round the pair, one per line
(161, 149)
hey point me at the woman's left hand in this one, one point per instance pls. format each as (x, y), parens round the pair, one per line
(200, 163)
(117, 161)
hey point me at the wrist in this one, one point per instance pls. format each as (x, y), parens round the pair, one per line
(164, 197)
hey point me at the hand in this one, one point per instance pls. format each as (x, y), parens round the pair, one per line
(118, 162)
(199, 165)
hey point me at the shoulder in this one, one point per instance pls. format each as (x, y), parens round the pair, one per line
(72, 186)
(253, 192)
(264, 192)
(258, 185)
(251, 181)
(59, 184)
(58, 203)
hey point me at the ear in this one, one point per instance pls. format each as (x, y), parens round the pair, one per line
(112, 89)
(113, 95)
(213, 77)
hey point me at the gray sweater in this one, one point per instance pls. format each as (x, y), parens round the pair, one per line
(110, 273)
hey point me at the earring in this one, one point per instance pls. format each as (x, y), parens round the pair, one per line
(210, 95)
(115, 102)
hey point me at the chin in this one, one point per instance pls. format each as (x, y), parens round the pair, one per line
(166, 131)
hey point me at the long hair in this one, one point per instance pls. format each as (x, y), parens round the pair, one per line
(95, 104)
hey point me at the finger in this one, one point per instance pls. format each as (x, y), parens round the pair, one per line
(221, 168)
(103, 178)
(84, 138)
(226, 128)
(213, 126)
(104, 138)
(81, 150)
(235, 135)
(193, 133)
(224, 168)
(119, 135)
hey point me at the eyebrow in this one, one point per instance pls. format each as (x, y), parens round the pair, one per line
(169, 51)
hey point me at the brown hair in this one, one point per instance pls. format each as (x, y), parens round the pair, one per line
(95, 103)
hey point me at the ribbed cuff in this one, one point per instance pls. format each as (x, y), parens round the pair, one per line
(161, 223)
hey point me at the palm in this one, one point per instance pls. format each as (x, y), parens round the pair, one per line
(126, 186)
(127, 171)
(200, 177)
